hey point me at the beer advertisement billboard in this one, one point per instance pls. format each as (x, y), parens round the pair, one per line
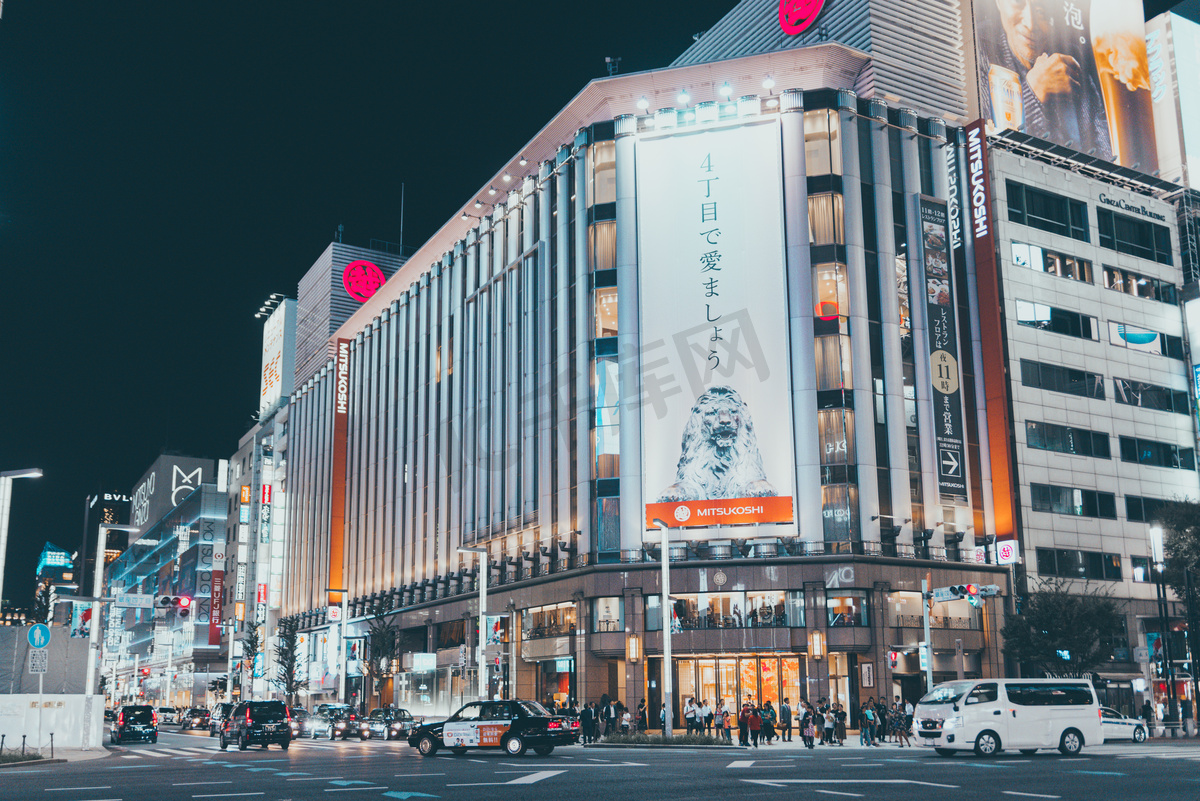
(716, 404)
(1073, 72)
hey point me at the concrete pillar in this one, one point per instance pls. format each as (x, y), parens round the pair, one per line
(629, 337)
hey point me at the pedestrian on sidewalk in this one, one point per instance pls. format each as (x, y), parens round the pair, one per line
(768, 724)
(744, 725)
(839, 715)
(706, 713)
(865, 716)
(785, 721)
(755, 722)
(827, 730)
(808, 723)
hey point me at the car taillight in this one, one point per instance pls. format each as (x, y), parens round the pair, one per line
(574, 724)
(154, 718)
(121, 718)
(554, 724)
(247, 717)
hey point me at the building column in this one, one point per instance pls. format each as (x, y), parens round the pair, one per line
(562, 356)
(629, 336)
(860, 325)
(889, 312)
(809, 522)
(583, 359)
(545, 368)
(920, 334)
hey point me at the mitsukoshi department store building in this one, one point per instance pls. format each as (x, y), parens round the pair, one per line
(742, 315)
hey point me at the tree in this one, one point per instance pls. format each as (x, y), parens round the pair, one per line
(1062, 632)
(251, 646)
(287, 660)
(382, 636)
(1180, 520)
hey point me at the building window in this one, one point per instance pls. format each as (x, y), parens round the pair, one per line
(822, 142)
(839, 510)
(1062, 379)
(1048, 261)
(606, 430)
(1139, 569)
(1063, 439)
(1072, 501)
(1150, 396)
(1140, 286)
(604, 173)
(606, 312)
(1134, 237)
(608, 524)
(1143, 339)
(1157, 454)
(1068, 563)
(1057, 321)
(608, 614)
(830, 291)
(847, 608)
(603, 242)
(795, 609)
(555, 620)
(833, 362)
(1047, 211)
(1142, 510)
(826, 221)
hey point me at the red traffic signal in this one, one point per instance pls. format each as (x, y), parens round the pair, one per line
(893, 657)
(145, 671)
(184, 602)
(972, 589)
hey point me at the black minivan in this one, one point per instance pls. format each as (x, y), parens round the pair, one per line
(257, 723)
(135, 722)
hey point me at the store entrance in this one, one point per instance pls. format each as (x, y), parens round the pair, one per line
(732, 678)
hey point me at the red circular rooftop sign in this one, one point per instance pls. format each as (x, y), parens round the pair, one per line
(797, 16)
(362, 279)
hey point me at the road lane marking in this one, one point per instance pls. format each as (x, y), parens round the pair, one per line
(411, 775)
(226, 795)
(356, 787)
(1029, 795)
(1098, 772)
(741, 763)
(784, 782)
(347, 782)
(315, 779)
(189, 784)
(835, 792)
(61, 789)
(530, 779)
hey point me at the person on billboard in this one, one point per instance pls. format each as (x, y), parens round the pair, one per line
(1037, 73)
(719, 456)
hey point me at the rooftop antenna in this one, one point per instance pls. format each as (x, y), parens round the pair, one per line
(613, 64)
(338, 236)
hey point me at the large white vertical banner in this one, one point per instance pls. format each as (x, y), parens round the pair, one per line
(716, 408)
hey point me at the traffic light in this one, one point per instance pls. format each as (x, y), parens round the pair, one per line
(145, 672)
(893, 658)
(973, 595)
(180, 603)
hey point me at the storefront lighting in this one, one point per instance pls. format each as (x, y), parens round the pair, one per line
(707, 112)
(684, 98)
(768, 83)
(643, 103)
(666, 118)
(726, 90)
(816, 644)
(633, 649)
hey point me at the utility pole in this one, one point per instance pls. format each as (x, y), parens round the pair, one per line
(927, 646)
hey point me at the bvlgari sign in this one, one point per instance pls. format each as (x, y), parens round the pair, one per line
(797, 16)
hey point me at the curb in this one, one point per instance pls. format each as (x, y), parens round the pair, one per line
(657, 746)
(26, 762)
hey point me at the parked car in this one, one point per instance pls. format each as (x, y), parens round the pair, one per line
(390, 723)
(334, 722)
(1120, 727)
(257, 723)
(989, 715)
(135, 722)
(194, 718)
(299, 715)
(110, 715)
(215, 718)
(511, 725)
(168, 714)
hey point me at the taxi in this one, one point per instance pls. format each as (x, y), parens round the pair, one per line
(514, 726)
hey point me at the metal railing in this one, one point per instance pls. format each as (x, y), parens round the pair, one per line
(936, 622)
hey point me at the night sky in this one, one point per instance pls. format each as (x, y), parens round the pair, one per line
(164, 166)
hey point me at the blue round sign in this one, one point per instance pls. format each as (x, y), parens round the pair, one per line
(39, 635)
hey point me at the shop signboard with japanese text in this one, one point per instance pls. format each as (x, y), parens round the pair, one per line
(1073, 72)
(943, 347)
(716, 421)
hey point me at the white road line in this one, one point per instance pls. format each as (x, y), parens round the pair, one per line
(342, 789)
(530, 779)
(226, 795)
(190, 784)
(835, 792)
(61, 789)
(741, 763)
(414, 775)
(1029, 795)
(316, 779)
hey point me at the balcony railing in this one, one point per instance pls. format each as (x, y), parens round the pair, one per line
(936, 622)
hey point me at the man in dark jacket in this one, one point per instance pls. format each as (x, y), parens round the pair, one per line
(785, 721)
(587, 721)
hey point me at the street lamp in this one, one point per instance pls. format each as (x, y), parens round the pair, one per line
(481, 679)
(94, 626)
(1156, 552)
(342, 664)
(667, 619)
(6, 480)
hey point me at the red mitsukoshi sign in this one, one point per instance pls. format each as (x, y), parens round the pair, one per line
(797, 16)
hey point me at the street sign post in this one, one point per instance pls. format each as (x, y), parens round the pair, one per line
(39, 662)
(39, 635)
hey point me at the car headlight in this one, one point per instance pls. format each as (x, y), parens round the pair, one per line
(953, 722)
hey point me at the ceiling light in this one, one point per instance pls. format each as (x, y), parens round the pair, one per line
(491, 190)
(507, 177)
(479, 204)
(684, 98)
(726, 90)
(768, 83)
(523, 161)
(643, 103)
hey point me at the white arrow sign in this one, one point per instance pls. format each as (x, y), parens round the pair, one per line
(950, 463)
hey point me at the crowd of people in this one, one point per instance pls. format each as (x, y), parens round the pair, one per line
(823, 723)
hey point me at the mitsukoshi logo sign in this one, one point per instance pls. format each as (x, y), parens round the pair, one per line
(797, 16)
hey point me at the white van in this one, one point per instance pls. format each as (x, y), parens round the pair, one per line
(989, 715)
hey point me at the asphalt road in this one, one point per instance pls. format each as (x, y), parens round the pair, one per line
(191, 768)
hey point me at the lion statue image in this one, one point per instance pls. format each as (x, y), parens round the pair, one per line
(719, 457)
